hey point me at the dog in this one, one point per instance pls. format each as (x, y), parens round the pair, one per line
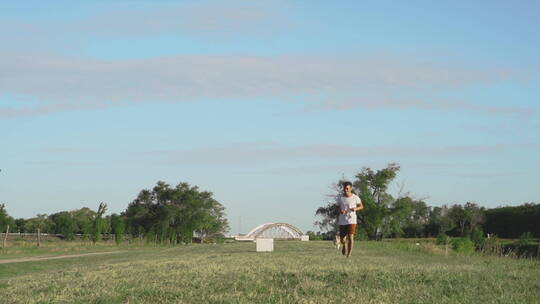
(337, 242)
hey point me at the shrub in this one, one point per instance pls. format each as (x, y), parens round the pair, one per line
(492, 246)
(314, 236)
(522, 251)
(151, 236)
(361, 235)
(442, 239)
(477, 236)
(525, 238)
(213, 240)
(463, 245)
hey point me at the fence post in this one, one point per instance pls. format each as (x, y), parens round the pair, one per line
(5, 237)
(38, 237)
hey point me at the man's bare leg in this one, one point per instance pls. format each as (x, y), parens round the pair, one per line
(350, 242)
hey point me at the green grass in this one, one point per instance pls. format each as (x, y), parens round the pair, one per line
(50, 247)
(296, 272)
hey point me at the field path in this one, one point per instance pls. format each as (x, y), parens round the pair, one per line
(55, 257)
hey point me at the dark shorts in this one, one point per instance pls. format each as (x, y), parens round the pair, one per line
(347, 229)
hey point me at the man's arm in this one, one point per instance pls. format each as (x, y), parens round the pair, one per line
(358, 207)
(342, 209)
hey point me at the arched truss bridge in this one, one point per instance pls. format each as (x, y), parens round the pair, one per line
(273, 231)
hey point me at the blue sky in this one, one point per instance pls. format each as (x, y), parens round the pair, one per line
(266, 104)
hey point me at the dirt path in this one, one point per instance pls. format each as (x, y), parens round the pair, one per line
(54, 257)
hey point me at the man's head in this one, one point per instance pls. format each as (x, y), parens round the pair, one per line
(347, 189)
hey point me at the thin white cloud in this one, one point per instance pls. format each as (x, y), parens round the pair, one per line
(63, 163)
(61, 150)
(333, 82)
(216, 18)
(203, 19)
(262, 153)
(423, 103)
(494, 174)
(48, 108)
(325, 81)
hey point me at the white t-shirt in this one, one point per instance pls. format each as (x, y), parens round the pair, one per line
(346, 203)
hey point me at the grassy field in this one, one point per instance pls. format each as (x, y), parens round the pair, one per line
(52, 246)
(296, 272)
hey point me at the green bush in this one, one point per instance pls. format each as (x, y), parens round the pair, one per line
(525, 238)
(442, 239)
(315, 237)
(463, 245)
(492, 246)
(477, 236)
(214, 240)
(361, 235)
(151, 236)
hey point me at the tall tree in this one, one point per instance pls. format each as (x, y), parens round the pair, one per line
(474, 215)
(213, 222)
(399, 216)
(372, 188)
(99, 223)
(118, 225)
(42, 222)
(64, 224)
(330, 213)
(20, 225)
(418, 219)
(457, 214)
(174, 213)
(466, 217)
(5, 219)
(439, 221)
(513, 221)
(84, 219)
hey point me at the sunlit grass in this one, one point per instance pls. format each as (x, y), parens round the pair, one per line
(19, 248)
(296, 272)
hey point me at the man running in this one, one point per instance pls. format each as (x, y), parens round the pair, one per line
(348, 204)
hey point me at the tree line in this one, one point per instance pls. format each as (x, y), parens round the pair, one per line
(161, 214)
(386, 216)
